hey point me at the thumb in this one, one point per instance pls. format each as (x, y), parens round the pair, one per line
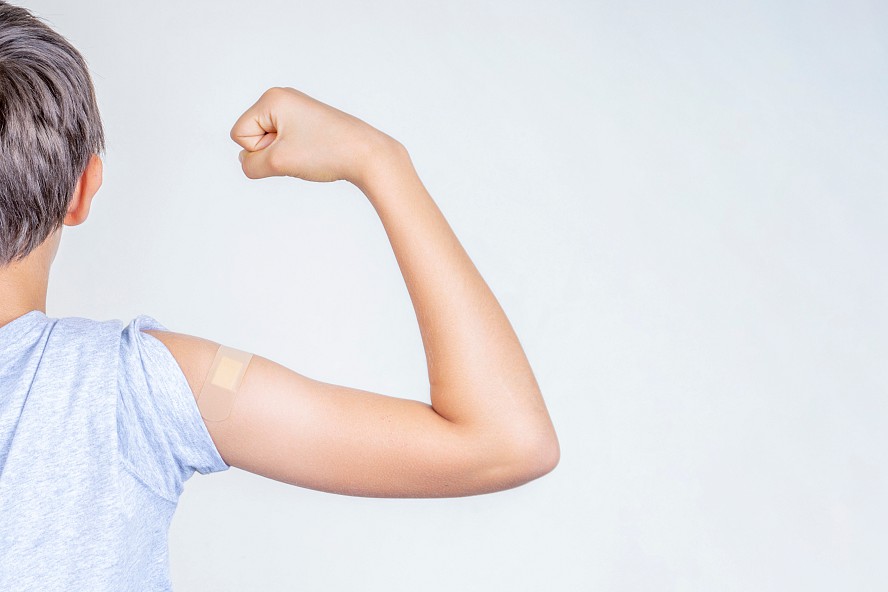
(256, 164)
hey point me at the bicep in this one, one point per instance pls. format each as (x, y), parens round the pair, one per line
(298, 430)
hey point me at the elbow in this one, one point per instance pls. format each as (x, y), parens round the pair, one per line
(549, 456)
(524, 464)
(539, 459)
(525, 456)
(554, 455)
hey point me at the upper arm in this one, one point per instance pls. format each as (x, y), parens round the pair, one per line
(322, 436)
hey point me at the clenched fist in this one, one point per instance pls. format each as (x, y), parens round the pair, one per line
(288, 133)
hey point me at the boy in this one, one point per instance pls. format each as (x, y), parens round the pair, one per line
(101, 425)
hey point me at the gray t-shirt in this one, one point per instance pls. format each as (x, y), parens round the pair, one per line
(99, 431)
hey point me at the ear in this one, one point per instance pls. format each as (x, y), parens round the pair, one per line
(87, 186)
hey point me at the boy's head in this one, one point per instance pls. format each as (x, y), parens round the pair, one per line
(50, 130)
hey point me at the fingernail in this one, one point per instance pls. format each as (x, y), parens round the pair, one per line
(240, 156)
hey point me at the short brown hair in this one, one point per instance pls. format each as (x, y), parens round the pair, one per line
(49, 127)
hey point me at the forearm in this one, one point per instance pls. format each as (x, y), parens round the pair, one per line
(479, 375)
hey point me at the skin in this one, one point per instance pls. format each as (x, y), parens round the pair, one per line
(487, 428)
(23, 284)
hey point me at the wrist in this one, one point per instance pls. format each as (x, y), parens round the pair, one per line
(383, 157)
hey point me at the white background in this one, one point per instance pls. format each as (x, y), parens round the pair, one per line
(680, 206)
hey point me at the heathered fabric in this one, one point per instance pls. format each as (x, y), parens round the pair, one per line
(99, 431)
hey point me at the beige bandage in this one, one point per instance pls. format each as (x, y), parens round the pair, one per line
(216, 398)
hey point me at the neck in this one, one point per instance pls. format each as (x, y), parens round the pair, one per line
(23, 284)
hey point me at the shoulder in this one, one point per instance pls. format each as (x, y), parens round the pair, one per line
(89, 335)
(194, 355)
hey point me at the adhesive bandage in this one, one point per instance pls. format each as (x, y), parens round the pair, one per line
(222, 383)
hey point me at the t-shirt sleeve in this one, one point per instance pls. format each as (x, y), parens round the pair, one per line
(162, 436)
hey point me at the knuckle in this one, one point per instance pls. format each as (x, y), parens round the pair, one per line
(278, 94)
(274, 92)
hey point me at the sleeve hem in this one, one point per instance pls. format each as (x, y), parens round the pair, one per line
(129, 469)
(191, 409)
